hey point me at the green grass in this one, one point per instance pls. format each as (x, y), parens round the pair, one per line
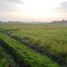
(48, 37)
(5, 59)
(29, 57)
(53, 41)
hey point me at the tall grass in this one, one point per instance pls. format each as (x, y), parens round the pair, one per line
(28, 56)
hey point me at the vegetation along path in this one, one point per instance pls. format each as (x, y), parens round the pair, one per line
(24, 56)
(54, 58)
(11, 52)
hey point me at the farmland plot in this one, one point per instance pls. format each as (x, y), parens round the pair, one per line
(49, 39)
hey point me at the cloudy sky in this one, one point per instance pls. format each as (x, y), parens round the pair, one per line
(33, 10)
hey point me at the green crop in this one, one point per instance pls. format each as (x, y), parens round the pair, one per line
(28, 56)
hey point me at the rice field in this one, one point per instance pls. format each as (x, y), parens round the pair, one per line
(35, 45)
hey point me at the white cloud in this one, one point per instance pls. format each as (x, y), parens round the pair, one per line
(32, 9)
(9, 5)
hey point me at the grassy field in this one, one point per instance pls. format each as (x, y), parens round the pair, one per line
(6, 60)
(54, 41)
(45, 37)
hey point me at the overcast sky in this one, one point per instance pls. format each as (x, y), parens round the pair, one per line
(33, 10)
